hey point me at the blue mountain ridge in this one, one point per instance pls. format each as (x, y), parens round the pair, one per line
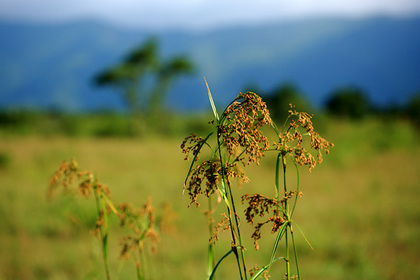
(52, 66)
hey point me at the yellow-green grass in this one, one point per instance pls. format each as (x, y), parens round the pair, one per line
(360, 208)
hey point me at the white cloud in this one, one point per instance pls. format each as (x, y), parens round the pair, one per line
(196, 13)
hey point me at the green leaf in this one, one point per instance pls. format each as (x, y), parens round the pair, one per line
(211, 101)
(110, 204)
(278, 176)
(223, 193)
(264, 268)
(218, 263)
(307, 241)
(297, 189)
(210, 260)
(276, 243)
(295, 253)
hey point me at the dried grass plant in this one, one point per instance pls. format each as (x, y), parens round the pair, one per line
(238, 140)
(140, 221)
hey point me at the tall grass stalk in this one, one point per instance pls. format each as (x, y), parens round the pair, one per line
(140, 221)
(103, 230)
(240, 141)
(210, 251)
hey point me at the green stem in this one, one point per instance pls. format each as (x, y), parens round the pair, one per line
(287, 255)
(138, 269)
(234, 249)
(297, 189)
(295, 253)
(286, 207)
(232, 215)
(142, 261)
(120, 268)
(278, 179)
(103, 231)
(210, 251)
(218, 263)
(238, 231)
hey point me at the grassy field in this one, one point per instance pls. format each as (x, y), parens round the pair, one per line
(360, 208)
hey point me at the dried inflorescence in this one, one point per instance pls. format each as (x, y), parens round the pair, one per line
(259, 205)
(241, 127)
(291, 141)
(141, 221)
(222, 226)
(239, 134)
(210, 172)
(240, 141)
(88, 183)
(192, 145)
(254, 270)
(64, 175)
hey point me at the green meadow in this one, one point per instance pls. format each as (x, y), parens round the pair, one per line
(360, 210)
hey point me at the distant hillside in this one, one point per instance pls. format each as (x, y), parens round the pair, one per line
(46, 66)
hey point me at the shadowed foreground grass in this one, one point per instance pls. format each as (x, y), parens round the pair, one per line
(360, 208)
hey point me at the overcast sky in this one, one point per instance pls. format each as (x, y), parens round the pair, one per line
(196, 14)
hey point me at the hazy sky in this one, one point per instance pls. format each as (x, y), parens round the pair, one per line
(197, 13)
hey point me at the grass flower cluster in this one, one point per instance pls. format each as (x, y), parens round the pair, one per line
(239, 140)
(140, 221)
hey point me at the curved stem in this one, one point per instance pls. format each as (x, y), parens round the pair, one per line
(238, 231)
(101, 209)
(218, 263)
(210, 251)
(297, 190)
(234, 227)
(287, 218)
(295, 253)
(278, 178)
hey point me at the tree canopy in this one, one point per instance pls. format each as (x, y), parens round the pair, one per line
(351, 102)
(280, 97)
(143, 77)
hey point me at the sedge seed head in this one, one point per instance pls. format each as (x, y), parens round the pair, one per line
(291, 141)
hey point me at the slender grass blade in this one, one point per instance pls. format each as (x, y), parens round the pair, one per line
(213, 107)
(295, 253)
(110, 204)
(276, 243)
(304, 237)
(210, 260)
(218, 263)
(264, 268)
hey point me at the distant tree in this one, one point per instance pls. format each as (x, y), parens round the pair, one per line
(413, 109)
(348, 102)
(142, 78)
(166, 74)
(279, 98)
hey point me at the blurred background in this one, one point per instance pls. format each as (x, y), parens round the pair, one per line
(118, 85)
